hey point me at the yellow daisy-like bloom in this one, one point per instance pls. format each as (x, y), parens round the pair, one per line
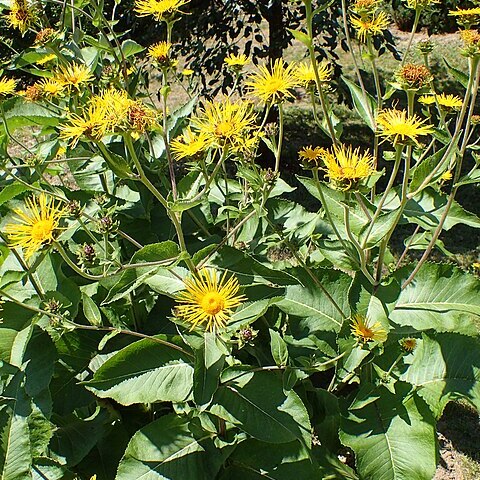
(159, 51)
(427, 99)
(311, 155)
(273, 84)
(92, 126)
(208, 300)
(21, 15)
(370, 25)
(74, 75)
(51, 88)
(465, 12)
(189, 145)
(226, 123)
(159, 9)
(37, 225)
(305, 74)
(364, 331)
(395, 126)
(446, 176)
(7, 86)
(187, 72)
(236, 62)
(449, 102)
(346, 167)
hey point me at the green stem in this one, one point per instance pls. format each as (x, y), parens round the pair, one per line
(278, 153)
(418, 12)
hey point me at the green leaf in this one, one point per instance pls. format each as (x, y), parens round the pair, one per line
(15, 451)
(445, 367)
(393, 438)
(209, 361)
(134, 277)
(278, 347)
(144, 372)
(91, 311)
(46, 468)
(11, 191)
(441, 297)
(21, 113)
(425, 168)
(164, 450)
(310, 300)
(301, 37)
(458, 74)
(365, 106)
(130, 48)
(257, 404)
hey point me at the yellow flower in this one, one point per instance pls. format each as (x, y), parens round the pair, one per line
(159, 9)
(187, 72)
(37, 226)
(50, 87)
(346, 167)
(159, 51)
(226, 123)
(449, 102)
(7, 86)
(365, 332)
(305, 74)
(398, 128)
(370, 25)
(237, 62)
(408, 344)
(189, 144)
(21, 15)
(74, 75)
(273, 84)
(92, 125)
(471, 39)
(446, 176)
(311, 155)
(468, 14)
(209, 301)
(427, 99)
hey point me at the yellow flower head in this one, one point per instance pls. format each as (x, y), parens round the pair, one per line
(471, 40)
(364, 331)
(161, 10)
(74, 75)
(36, 226)
(160, 51)
(226, 123)
(466, 16)
(311, 156)
(427, 99)
(449, 102)
(446, 176)
(189, 145)
(50, 87)
(7, 86)
(187, 72)
(305, 74)
(21, 15)
(273, 84)
(208, 300)
(408, 344)
(91, 125)
(346, 167)
(236, 62)
(413, 77)
(395, 126)
(370, 25)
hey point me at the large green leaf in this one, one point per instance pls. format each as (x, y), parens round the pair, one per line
(393, 437)
(445, 367)
(364, 103)
(310, 301)
(258, 405)
(441, 297)
(164, 450)
(209, 361)
(15, 450)
(21, 113)
(144, 372)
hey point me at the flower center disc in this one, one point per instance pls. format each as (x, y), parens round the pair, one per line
(212, 303)
(224, 129)
(42, 230)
